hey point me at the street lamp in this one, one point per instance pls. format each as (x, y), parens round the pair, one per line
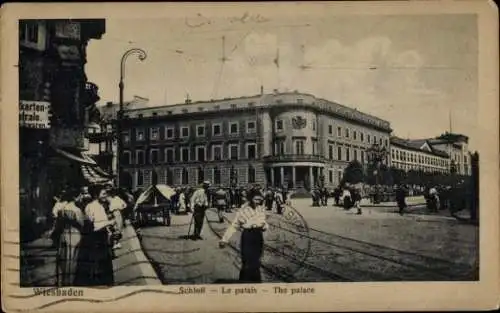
(141, 54)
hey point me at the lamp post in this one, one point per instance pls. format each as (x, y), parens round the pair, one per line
(141, 54)
(376, 155)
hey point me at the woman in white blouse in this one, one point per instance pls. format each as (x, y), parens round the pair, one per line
(251, 220)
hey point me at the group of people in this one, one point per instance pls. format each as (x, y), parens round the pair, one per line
(87, 229)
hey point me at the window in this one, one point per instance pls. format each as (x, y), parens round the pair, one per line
(362, 156)
(200, 154)
(184, 131)
(126, 158)
(33, 32)
(330, 152)
(251, 175)
(184, 176)
(155, 133)
(279, 147)
(251, 127)
(339, 153)
(355, 135)
(200, 131)
(139, 155)
(169, 155)
(153, 156)
(330, 129)
(361, 137)
(279, 125)
(299, 147)
(233, 152)
(217, 129)
(140, 177)
(216, 152)
(347, 154)
(346, 133)
(368, 138)
(314, 125)
(355, 154)
(339, 131)
(300, 101)
(251, 151)
(233, 128)
(170, 176)
(139, 135)
(126, 137)
(380, 141)
(386, 142)
(216, 175)
(330, 176)
(201, 175)
(185, 154)
(374, 139)
(315, 148)
(169, 133)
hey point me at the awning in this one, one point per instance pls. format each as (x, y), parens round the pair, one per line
(79, 157)
(93, 175)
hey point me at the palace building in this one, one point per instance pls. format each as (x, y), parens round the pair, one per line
(447, 153)
(280, 139)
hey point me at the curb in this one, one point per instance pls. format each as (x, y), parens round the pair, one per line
(143, 264)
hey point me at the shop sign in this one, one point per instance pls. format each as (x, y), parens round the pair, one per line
(34, 114)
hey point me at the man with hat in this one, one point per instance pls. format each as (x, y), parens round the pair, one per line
(251, 219)
(221, 203)
(199, 204)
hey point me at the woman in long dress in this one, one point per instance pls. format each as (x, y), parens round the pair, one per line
(97, 261)
(251, 220)
(67, 232)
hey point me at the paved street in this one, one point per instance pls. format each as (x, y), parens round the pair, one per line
(323, 244)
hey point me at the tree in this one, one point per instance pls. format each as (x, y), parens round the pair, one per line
(353, 173)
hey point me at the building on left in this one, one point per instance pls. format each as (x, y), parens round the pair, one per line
(57, 103)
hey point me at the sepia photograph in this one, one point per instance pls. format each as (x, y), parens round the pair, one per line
(221, 151)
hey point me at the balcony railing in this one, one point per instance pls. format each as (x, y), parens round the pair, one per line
(294, 158)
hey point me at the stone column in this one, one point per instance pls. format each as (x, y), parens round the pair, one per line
(272, 176)
(282, 176)
(311, 177)
(293, 177)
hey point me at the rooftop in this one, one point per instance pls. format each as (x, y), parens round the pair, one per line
(260, 100)
(417, 145)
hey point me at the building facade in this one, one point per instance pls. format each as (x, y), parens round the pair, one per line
(447, 153)
(410, 155)
(56, 102)
(102, 134)
(280, 139)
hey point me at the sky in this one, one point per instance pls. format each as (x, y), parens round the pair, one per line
(411, 70)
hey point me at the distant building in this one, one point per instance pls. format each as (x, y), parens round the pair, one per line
(446, 153)
(102, 135)
(290, 139)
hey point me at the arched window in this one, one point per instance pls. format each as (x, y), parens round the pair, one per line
(216, 175)
(251, 175)
(201, 175)
(170, 176)
(185, 176)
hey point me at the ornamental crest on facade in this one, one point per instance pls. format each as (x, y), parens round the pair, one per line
(299, 122)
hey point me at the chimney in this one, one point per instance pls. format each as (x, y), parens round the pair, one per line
(188, 101)
(261, 90)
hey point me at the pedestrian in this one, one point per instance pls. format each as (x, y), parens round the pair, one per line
(279, 201)
(356, 199)
(251, 220)
(116, 206)
(433, 200)
(96, 262)
(182, 201)
(346, 198)
(336, 195)
(221, 204)
(199, 204)
(269, 199)
(400, 198)
(67, 234)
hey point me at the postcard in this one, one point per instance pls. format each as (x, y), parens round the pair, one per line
(250, 157)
